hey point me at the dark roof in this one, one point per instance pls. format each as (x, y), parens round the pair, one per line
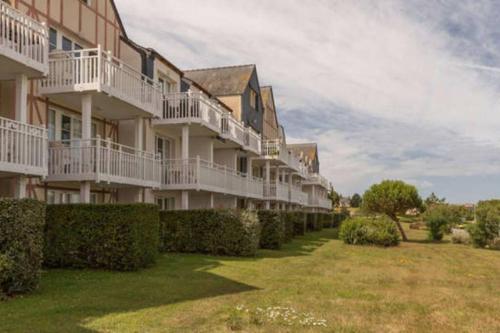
(119, 18)
(308, 149)
(267, 95)
(223, 81)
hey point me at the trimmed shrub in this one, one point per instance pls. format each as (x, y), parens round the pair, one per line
(21, 245)
(216, 232)
(487, 227)
(117, 237)
(369, 231)
(314, 222)
(272, 234)
(326, 220)
(288, 219)
(338, 218)
(299, 223)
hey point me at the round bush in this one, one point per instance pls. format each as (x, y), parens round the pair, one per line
(369, 231)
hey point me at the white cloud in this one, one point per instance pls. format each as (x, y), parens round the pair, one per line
(382, 60)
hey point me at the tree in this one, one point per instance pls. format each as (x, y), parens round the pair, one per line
(356, 200)
(334, 197)
(393, 198)
(434, 200)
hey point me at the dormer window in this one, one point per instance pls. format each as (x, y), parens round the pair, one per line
(253, 99)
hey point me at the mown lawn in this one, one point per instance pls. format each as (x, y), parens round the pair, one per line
(417, 287)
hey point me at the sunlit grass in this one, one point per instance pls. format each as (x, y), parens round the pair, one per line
(416, 287)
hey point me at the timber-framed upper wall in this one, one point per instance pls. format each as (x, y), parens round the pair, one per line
(95, 24)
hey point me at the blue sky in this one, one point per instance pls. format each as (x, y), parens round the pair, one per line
(389, 89)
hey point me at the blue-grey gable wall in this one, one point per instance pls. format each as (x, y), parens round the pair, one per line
(250, 116)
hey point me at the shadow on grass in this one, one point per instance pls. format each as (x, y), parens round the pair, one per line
(67, 299)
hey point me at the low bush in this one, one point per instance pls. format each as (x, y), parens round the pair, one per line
(369, 231)
(314, 222)
(216, 232)
(459, 236)
(21, 245)
(272, 234)
(288, 219)
(487, 227)
(325, 220)
(299, 223)
(117, 237)
(338, 218)
(441, 218)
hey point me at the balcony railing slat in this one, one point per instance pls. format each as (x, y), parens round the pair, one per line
(24, 36)
(22, 147)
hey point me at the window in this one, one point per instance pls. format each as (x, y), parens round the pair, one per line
(51, 197)
(243, 164)
(162, 148)
(52, 125)
(67, 44)
(253, 99)
(52, 39)
(166, 85)
(165, 203)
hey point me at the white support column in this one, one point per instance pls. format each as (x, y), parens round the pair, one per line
(268, 183)
(86, 136)
(211, 151)
(212, 199)
(22, 116)
(185, 142)
(185, 157)
(22, 98)
(139, 134)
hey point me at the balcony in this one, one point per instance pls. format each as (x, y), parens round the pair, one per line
(275, 150)
(102, 161)
(23, 148)
(317, 179)
(317, 202)
(24, 45)
(253, 142)
(191, 108)
(118, 90)
(200, 175)
(294, 162)
(234, 131)
(298, 197)
(276, 192)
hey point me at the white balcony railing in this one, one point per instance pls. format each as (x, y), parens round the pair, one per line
(275, 149)
(294, 162)
(96, 70)
(233, 130)
(23, 148)
(23, 39)
(198, 174)
(320, 202)
(191, 107)
(303, 171)
(317, 179)
(253, 141)
(298, 197)
(102, 161)
(276, 191)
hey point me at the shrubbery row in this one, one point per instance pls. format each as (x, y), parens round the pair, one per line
(127, 237)
(379, 231)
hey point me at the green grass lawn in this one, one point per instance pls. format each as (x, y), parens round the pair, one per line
(416, 287)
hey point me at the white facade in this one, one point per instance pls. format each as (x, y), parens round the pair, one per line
(111, 133)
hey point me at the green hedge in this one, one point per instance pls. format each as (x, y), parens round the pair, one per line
(338, 218)
(112, 236)
(299, 223)
(21, 245)
(291, 221)
(272, 234)
(314, 222)
(217, 232)
(369, 231)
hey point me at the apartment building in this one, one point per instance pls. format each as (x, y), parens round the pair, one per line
(88, 115)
